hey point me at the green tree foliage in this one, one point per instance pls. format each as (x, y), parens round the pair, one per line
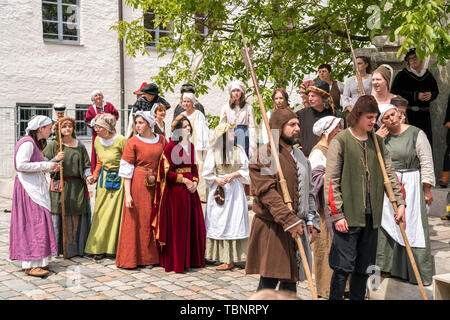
(288, 38)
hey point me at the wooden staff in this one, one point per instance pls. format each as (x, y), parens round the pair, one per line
(387, 183)
(285, 192)
(61, 181)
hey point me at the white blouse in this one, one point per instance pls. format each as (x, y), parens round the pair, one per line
(32, 175)
(351, 90)
(241, 116)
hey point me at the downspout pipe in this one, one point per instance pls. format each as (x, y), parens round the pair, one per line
(122, 75)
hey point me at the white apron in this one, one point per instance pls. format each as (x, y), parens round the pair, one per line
(414, 228)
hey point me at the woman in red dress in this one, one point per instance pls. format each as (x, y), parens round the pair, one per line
(138, 167)
(178, 223)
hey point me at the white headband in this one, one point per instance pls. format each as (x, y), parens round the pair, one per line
(189, 95)
(383, 109)
(236, 85)
(148, 116)
(326, 125)
(38, 122)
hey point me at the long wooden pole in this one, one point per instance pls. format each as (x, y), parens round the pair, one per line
(387, 183)
(61, 181)
(274, 152)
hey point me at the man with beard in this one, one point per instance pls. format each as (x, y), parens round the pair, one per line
(321, 105)
(272, 248)
(354, 193)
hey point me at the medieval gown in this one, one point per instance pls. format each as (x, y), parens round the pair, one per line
(76, 167)
(177, 220)
(227, 225)
(413, 163)
(104, 233)
(137, 246)
(200, 138)
(32, 238)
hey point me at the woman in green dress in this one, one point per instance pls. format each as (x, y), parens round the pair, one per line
(107, 216)
(412, 159)
(76, 171)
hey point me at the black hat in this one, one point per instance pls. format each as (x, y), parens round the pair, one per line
(321, 87)
(187, 88)
(59, 107)
(410, 52)
(150, 88)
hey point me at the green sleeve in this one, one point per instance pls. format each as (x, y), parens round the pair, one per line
(49, 151)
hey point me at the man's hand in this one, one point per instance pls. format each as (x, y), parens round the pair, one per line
(341, 225)
(298, 229)
(313, 233)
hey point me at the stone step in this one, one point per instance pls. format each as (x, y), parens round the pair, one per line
(439, 204)
(395, 289)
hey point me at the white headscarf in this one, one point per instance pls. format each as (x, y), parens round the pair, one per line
(148, 116)
(38, 122)
(237, 84)
(189, 95)
(327, 125)
(383, 109)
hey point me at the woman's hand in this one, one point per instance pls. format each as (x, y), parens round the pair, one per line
(188, 183)
(54, 166)
(90, 180)
(383, 131)
(59, 156)
(221, 182)
(128, 201)
(230, 177)
(194, 187)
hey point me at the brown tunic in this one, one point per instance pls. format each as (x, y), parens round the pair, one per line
(271, 250)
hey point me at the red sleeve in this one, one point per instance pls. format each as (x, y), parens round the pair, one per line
(90, 114)
(112, 110)
(129, 152)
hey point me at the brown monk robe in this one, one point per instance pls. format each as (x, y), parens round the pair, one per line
(272, 249)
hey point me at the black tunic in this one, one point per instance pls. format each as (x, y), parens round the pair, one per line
(307, 117)
(408, 85)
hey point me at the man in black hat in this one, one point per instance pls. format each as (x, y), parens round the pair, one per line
(59, 110)
(179, 109)
(321, 105)
(145, 103)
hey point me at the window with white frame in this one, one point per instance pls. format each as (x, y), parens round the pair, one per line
(156, 31)
(159, 31)
(25, 111)
(60, 21)
(81, 130)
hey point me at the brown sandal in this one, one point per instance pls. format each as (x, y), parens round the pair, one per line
(447, 217)
(36, 272)
(225, 266)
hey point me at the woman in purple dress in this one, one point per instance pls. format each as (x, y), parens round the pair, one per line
(32, 238)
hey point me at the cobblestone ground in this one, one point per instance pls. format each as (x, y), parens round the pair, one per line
(82, 278)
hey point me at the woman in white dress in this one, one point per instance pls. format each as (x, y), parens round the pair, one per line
(227, 224)
(351, 88)
(240, 113)
(199, 137)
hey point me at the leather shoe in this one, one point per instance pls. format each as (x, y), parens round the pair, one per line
(36, 272)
